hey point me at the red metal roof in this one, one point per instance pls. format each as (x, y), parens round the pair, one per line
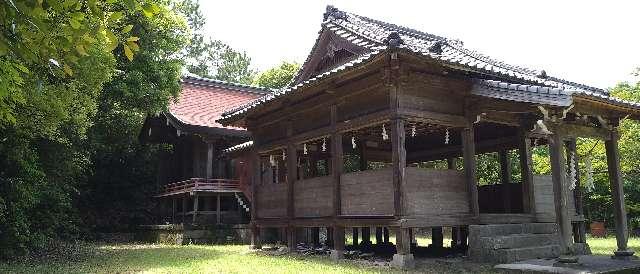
(201, 103)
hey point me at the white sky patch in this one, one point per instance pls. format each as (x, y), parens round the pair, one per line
(590, 42)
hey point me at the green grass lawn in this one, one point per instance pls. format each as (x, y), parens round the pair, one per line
(151, 258)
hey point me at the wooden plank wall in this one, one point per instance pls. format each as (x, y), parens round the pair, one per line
(435, 192)
(434, 93)
(271, 200)
(367, 193)
(543, 194)
(313, 197)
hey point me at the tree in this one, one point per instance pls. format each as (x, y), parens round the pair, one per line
(277, 77)
(55, 58)
(212, 58)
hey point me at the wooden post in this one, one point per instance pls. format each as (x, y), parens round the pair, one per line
(354, 234)
(184, 208)
(437, 237)
(579, 230)
(399, 161)
(363, 154)
(378, 235)
(560, 189)
(209, 160)
(218, 210)
(337, 234)
(617, 193)
(451, 163)
(195, 207)
(469, 155)
(256, 178)
(292, 170)
(173, 209)
(403, 257)
(338, 243)
(524, 149)
(505, 179)
(366, 236)
(315, 231)
(385, 235)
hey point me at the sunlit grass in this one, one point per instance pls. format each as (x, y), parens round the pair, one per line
(606, 246)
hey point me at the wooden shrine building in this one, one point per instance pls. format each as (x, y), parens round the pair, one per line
(349, 142)
(200, 183)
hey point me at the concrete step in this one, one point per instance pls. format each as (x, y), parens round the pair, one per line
(508, 229)
(525, 253)
(518, 241)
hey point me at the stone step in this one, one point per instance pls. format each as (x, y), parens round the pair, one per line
(525, 253)
(508, 229)
(518, 241)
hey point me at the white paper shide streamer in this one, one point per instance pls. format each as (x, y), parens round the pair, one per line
(385, 136)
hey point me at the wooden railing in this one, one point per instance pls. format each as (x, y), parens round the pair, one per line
(202, 185)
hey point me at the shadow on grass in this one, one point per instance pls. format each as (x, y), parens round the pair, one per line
(124, 258)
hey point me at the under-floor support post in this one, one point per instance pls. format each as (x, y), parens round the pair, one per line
(337, 252)
(355, 236)
(378, 235)
(385, 235)
(291, 238)
(255, 237)
(315, 231)
(403, 257)
(437, 237)
(366, 236)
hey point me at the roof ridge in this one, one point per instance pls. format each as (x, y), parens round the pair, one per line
(227, 84)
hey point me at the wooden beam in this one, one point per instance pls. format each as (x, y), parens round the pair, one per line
(452, 151)
(469, 155)
(432, 117)
(575, 131)
(399, 161)
(560, 189)
(617, 193)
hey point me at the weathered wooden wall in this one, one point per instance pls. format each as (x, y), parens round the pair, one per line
(435, 192)
(367, 193)
(313, 197)
(271, 200)
(543, 194)
(433, 93)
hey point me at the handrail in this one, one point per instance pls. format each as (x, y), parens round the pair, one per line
(200, 184)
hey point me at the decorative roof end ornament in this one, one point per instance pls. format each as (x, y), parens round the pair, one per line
(393, 40)
(436, 48)
(542, 74)
(333, 12)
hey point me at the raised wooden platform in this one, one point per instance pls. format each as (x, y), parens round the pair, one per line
(200, 185)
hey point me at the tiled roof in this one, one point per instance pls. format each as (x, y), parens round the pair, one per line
(522, 93)
(202, 101)
(375, 36)
(238, 147)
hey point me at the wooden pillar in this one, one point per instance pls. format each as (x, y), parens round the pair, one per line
(362, 149)
(209, 160)
(173, 209)
(470, 169)
(524, 149)
(338, 243)
(455, 236)
(403, 257)
(366, 235)
(256, 179)
(292, 170)
(560, 189)
(385, 235)
(184, 208)
(378, 235)
(579, 230)
(355, 236)
(329, 237)
(505, 179)
(451, 163)
(315, 231)
(399, 161)
(617, 193)
(337, 234)
(195, 207)
(218, 209)
(437, 237)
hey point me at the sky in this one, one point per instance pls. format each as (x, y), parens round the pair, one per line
(590, 42)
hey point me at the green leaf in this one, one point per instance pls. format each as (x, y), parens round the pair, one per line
(133, 46)
(67, 69)
(115, 16)
(74, 23)
(81, 50)
(133, 38)
(128, 53)
(22, 68)
(127, 29)
(113, 40)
